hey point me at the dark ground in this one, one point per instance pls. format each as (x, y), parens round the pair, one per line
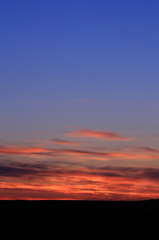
(78, 219)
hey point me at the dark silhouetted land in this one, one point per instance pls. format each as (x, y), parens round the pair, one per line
(47, 219)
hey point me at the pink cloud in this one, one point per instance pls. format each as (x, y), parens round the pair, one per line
(83, 132)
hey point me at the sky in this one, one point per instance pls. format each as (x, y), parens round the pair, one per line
(79, 115)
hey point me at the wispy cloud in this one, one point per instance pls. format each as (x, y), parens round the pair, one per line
(83, 132)
(63, 142)
(85, 100)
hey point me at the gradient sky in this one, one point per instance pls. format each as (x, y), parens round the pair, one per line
(79, 94)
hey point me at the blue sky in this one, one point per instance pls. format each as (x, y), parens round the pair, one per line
(67, 65)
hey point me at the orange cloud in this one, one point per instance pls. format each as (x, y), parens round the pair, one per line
(59, 182)
(83, 132)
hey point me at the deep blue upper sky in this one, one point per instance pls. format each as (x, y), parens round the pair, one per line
(57, 53)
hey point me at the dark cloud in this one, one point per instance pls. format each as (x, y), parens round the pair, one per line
(151, 173)
(37, 170)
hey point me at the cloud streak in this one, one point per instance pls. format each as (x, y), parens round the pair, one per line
(101, 155)
(63, 142)
(23, 150)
